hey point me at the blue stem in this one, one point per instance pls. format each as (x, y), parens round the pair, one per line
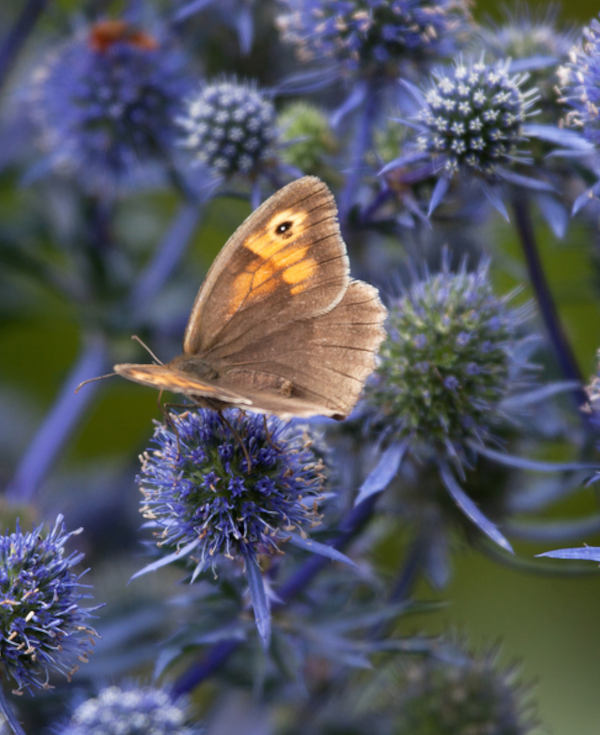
(59, 423)
(218, 655)
(8, 713)
(166, 258)
(562, 348)
(361, 143)
(17, 35)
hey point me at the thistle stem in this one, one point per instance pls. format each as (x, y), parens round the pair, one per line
(167, 256)
(9, 715)
(362, 141)
(59, 423)
(218, 655)
(562, 348)
(18, 34)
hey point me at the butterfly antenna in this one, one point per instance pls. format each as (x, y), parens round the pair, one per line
(141, 342)
(93, 380)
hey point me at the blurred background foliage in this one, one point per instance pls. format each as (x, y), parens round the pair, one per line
(546, 621)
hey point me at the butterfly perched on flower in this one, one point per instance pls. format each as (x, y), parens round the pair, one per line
(278, 326)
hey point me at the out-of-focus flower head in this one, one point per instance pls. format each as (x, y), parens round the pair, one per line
(43, 628)
(105, 104)
(534, 42)
(579, 80)
(462, 694)
(130, 710)
(230, 128)
(373, 38)
(309, 141)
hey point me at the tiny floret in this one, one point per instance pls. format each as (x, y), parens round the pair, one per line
(43, 628)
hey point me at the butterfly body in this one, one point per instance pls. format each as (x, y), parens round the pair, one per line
(278, 326)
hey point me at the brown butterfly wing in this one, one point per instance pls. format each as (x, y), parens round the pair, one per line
(286, 261)
(164, 377)
(312, 366)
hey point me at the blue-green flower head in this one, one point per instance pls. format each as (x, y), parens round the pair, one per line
(471, 119)
(130, 711)
(203, 500)
(373, 37)
(105, 104)
(461, 694)
(446, 364)
(229, 127)
(579, 81)
(43, 628)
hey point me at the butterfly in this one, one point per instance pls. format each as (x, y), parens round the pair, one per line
(278, 326)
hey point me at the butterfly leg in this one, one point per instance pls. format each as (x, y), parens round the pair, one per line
(268, 435)
(238, 438)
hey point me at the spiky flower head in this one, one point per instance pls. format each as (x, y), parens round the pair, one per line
(446, 364)
(105, 104)
(462, 694)
(579, 80)
(307, 137)
(201, 494)
(130, 710)
(43, 628)
(534, 42)
(373, 37)
(471, 119)
(230, 127)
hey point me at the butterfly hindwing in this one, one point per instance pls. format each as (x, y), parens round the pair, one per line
(320, 362)
(286, 260)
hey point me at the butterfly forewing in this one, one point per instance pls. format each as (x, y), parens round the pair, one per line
(286, 261)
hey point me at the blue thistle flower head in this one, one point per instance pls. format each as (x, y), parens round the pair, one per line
(43, 628)
(579, 80)
(373, 37)
(130, 710)
(229, 127)
(200, 495)
(105, 104)
(472, 118)
(448, 361)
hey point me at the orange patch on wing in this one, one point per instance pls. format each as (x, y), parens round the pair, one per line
(296, 274)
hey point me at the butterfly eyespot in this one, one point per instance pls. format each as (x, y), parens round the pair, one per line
(283, 227)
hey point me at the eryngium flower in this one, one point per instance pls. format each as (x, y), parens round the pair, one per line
(461, 694)
(105, 103)
(373, 36)
(472, 116)
(229, 127)
(536, 43)
(446, 364)
(580, 83)
(43, 629)
(200, 494)
(130, 711)
(308, 138)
